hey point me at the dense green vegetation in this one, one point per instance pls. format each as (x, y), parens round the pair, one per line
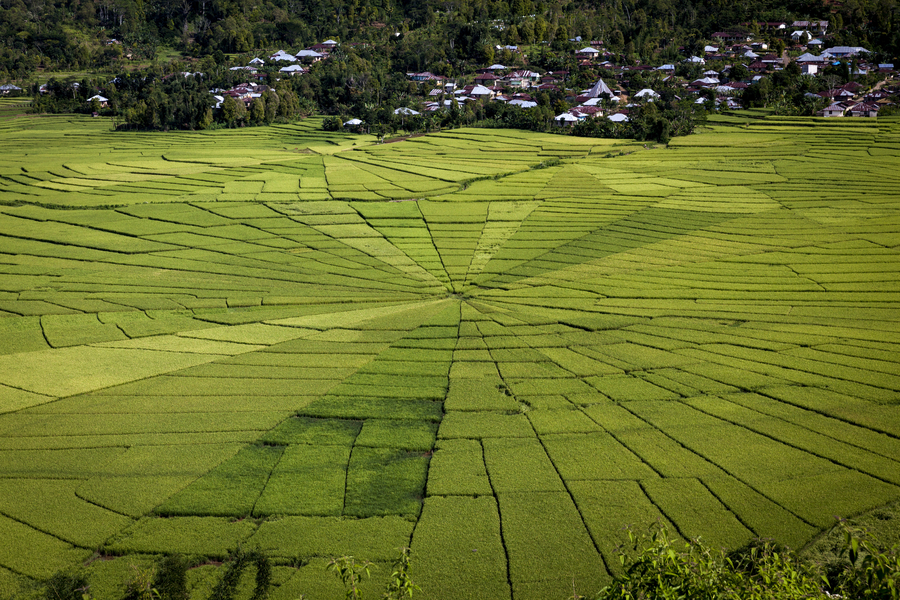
(434, 35)
(494, 347)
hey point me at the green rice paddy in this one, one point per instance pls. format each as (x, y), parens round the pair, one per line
(316, 345)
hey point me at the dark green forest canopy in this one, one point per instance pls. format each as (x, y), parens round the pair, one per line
(75, 33)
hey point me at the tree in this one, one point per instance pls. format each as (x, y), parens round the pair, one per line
(272, 103)
(258, 111)
(332, 124)
(289, 106)
(779, 47)
(229, 111)
(207, 119)
(739, 72)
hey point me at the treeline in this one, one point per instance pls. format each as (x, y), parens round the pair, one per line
(75, 33)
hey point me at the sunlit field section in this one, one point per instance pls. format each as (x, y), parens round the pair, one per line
(497, 348)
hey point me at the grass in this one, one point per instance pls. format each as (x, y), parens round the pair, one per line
(211, 338)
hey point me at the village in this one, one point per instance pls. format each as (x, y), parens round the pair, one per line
(715, 78)
(573, 85)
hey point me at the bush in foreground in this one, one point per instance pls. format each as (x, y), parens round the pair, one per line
(658, 567)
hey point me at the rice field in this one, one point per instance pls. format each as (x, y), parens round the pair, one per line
(315, 345)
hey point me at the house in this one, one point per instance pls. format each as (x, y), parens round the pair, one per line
(810, 59)
(798, 36)
(834, 110)
(732, 36)
(819, 27)
(309, 56)
(647, 94)
(281, 55)
(104, 102)
(9, 88)
(727, 90)
(705, 82)
(486, 79)
(477, 91)
(618, 118)
(809, 69)
(710, 49)
(324, 48)
(565, 120)
(696, 60)
(523, 103)
(587, 53)
(864, 109)
(425, 76)
(844, 51)
(257, 62)
(292, 70)
(586, 112)
(405, 111)
(598, 90)
(522, 78)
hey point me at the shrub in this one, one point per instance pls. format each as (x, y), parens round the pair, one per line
(140, 586)
(67, 586)
(332, 124)
(873, 570)
(666, 568)
(171, 578)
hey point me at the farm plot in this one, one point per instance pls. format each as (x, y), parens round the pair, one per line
(315, 345)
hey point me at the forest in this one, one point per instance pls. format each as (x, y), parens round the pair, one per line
(444, 36)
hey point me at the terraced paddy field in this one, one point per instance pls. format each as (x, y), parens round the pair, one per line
(497, 348)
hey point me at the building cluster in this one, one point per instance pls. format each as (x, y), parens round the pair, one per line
(738, 60)
(732, 62)
(243, 92)
(293, 63)
(849, 101)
